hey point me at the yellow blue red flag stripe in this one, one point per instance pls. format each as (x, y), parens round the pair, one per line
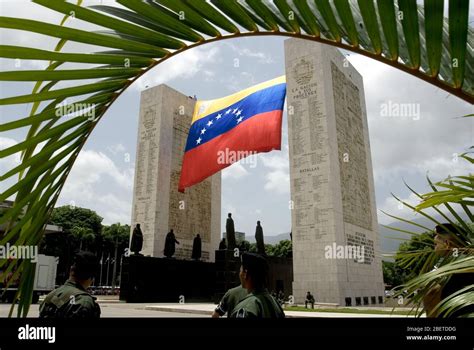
(249, 120)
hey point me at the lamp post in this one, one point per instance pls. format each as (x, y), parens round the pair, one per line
(115, 266)
(108, 269)
(101, 265)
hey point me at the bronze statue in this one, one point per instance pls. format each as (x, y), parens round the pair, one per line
(137, 240)
(259, 239)
(196, 254)
(170, 244)
(222, 244)
(230, 231)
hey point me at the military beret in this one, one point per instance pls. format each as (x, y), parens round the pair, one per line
(254, 263)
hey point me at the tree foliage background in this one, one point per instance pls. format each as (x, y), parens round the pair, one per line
(82, 230)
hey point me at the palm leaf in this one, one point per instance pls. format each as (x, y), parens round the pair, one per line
(139, 35)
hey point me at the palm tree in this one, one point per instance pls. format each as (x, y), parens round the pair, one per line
(138, 35)
(450, 194)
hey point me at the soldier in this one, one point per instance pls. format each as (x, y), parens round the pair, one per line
(229, 301)
(72, 300)
(258, 303)
(448, 239)
(309, 300)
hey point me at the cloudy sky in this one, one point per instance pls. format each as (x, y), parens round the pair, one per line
(403, 148)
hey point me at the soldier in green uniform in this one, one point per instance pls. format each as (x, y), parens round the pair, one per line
(72, 299)
(258, 303)
(229, 301)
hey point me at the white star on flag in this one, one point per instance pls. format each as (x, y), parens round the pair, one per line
(203, 131)
(239, 120)
(228, 111)
(209, 123)
(198, 141)
(235, 110)
(238, 112)
(218, 116)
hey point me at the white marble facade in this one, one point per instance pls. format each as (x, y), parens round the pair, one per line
(332, 187)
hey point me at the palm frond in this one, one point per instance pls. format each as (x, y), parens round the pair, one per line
(139, 35)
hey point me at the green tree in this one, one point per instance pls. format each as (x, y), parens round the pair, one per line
(81, 230)
(69, 216)
(43, 171)
(282, 249)
(116, 234)
(420, 245)
(393, 275)
(115, 239)
(245, 245)
(83, 235)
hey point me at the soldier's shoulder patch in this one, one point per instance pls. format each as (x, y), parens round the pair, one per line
(241, 313)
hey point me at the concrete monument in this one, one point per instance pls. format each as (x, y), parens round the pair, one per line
(334, 222)
(165, 118)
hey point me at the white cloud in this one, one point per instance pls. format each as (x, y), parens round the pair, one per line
(439, 168)
(9, 162)
(278, 181)
(393, 207)
(235, 172)
(234, 83)
(89, 185)
(275, 161)
(278, 178)
(208, 75)
(184, 66)
(411, 147)
(120, 211)
(89, 170)
(259, 56)
(116, 148)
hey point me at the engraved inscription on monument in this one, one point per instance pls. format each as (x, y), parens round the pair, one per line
(330, 182)
(165, 117)
(352, 160)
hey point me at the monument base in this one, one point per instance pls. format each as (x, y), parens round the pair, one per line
(280, 273)
(147, 279)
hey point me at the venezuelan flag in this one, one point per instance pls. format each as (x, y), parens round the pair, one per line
(246, 122)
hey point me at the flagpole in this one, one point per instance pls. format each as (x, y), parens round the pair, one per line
(108, 268)
(101, 265)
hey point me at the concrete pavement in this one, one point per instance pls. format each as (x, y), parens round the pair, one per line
(206, 309)
(112, 307)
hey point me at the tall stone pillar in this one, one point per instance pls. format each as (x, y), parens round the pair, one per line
(165, 118)
(332, 187)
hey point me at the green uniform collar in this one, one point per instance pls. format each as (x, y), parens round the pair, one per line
(72, 283)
